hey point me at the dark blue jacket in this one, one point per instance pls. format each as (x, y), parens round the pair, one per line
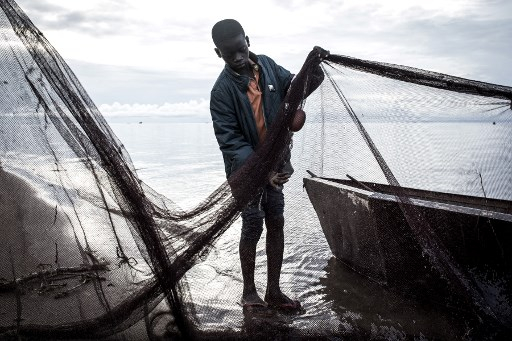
(232, 115)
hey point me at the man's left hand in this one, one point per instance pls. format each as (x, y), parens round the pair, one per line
(322, 54)
(277, 180)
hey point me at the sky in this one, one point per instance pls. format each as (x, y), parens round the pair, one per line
(156, 58)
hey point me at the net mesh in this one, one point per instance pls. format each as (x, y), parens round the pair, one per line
(422, 227)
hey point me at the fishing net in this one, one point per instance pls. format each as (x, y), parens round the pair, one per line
(88, 250)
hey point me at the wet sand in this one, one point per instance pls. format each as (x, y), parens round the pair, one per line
(30, 227)
(24, 217)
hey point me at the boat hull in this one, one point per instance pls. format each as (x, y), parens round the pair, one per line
(369, 228)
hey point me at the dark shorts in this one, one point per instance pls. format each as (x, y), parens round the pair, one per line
(269, 203)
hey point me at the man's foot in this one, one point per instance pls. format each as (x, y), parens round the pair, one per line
(252, 302)
(282, 302)
(253, 306)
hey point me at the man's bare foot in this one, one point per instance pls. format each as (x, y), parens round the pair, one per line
(282, 302)
(252, 301)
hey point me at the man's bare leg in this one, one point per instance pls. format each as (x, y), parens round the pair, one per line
(275, 250)
(247, 249)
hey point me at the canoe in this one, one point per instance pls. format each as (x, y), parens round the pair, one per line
(366, 228)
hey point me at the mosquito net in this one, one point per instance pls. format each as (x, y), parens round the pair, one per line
(404, 229)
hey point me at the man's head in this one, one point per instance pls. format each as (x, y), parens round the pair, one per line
(231, 43)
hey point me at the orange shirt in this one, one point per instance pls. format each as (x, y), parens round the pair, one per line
(256, 99)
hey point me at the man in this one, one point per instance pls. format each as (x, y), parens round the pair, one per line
(244, 102)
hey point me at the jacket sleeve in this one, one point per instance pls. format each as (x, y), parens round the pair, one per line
(233, 145)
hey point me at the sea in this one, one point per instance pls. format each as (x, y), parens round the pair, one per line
(183, 162)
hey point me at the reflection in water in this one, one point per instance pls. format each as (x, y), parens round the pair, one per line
(367, 309)
(186, 165)
(269, 322)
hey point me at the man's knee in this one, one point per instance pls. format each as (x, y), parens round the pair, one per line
(273, 202)
(252, 228)
(274, 223)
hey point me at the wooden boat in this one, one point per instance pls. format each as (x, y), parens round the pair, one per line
(366, 228)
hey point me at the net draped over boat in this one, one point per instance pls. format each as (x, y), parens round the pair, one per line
(87, 249)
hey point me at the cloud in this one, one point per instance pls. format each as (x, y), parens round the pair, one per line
(194, 110)
(462, 38)
(40, 7)
(124, 84)
(96, 19)
(157, 51)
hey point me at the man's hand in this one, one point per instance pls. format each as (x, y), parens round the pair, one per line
(317, 74)
(277, 180)
(322, 54)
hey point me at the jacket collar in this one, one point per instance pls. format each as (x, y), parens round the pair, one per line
(241, 81)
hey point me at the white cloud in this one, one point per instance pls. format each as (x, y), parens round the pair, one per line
(162, 35)
(193, 109)
(163, 50)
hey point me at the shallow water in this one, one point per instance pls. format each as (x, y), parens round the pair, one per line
(182, 162)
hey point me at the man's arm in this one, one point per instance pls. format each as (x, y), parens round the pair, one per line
(317, 75)
(231, 141)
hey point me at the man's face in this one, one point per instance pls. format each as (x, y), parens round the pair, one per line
(235, 52)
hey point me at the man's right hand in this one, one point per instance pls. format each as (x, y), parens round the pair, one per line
(277, 180)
